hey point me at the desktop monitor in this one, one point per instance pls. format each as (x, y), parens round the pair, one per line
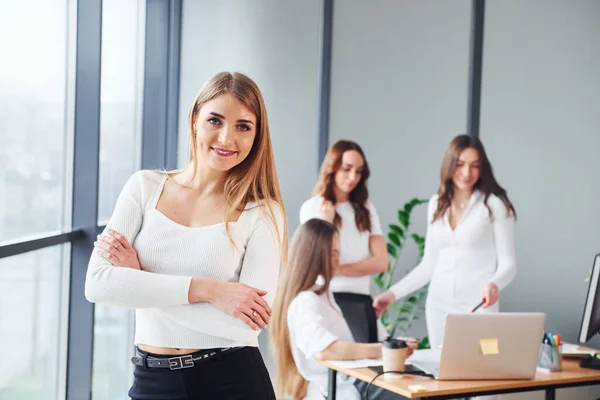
(590, 325)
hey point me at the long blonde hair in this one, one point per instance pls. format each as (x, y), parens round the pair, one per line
(255, 178)
(310, 256)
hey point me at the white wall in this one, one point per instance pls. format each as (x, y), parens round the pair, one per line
(399, 89)
(277, 44)
(540, 123)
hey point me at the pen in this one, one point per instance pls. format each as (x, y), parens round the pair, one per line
(547, 339)
(478, 305)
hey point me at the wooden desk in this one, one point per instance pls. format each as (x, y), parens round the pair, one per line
(572, 375)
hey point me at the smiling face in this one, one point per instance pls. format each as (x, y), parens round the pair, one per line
(467, 171)
(225, 130)
(349, 174)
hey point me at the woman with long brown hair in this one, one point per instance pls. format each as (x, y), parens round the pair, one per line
(197, 252)
(341, 197)
(469, 247)
(308, 325)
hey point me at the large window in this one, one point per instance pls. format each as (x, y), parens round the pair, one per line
(71, 109)
(120, 134)
(33, 127)
(33, 193)
(32, 316)
(121, 98)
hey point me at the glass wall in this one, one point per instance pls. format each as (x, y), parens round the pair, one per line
(121, 97)
(123, 26)
(34, 158)
(32, 315)
(37, 106)
(33, 123)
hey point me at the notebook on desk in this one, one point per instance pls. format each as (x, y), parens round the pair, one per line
(485, 346)
(570, 350)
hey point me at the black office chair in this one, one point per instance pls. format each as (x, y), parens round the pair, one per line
(360, 315)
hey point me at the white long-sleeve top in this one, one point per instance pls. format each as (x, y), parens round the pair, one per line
(171, 255)
(314, 322)
(354, 244)
(460, 262)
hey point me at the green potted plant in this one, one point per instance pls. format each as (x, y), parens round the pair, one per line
(399, 317)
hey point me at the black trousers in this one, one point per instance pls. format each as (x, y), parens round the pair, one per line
(239, 375)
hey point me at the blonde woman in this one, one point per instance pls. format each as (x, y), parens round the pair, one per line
(196, 252)
(308, 324)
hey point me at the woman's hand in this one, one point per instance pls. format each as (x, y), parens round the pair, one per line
(383, 301)
(116, 248)
(236, 299)
(411, 342)
(491, 294)
(326, 210)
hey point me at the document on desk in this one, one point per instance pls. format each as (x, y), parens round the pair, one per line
(425, 356)
(570, 350)
(364, 363)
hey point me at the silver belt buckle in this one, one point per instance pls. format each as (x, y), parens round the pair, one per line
(176, 363)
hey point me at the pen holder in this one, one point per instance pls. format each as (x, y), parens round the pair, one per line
(550, 358)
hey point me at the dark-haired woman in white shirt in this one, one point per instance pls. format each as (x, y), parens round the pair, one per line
(341, 197)
(470, 246)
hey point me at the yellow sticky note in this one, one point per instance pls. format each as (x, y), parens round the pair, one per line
(489, 347)
(417, 388)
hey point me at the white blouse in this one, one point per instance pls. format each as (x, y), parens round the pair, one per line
(171, 255)
(315, 321)
(460, 262)
(354, 245)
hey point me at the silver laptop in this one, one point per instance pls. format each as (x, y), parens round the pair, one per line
(485, 346)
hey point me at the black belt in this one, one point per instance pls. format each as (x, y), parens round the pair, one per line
(180, 362)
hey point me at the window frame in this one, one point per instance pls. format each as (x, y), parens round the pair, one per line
(158, 149)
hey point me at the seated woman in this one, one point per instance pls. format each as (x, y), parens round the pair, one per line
(308, 325)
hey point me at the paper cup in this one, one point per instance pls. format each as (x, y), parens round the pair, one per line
(395, 352)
